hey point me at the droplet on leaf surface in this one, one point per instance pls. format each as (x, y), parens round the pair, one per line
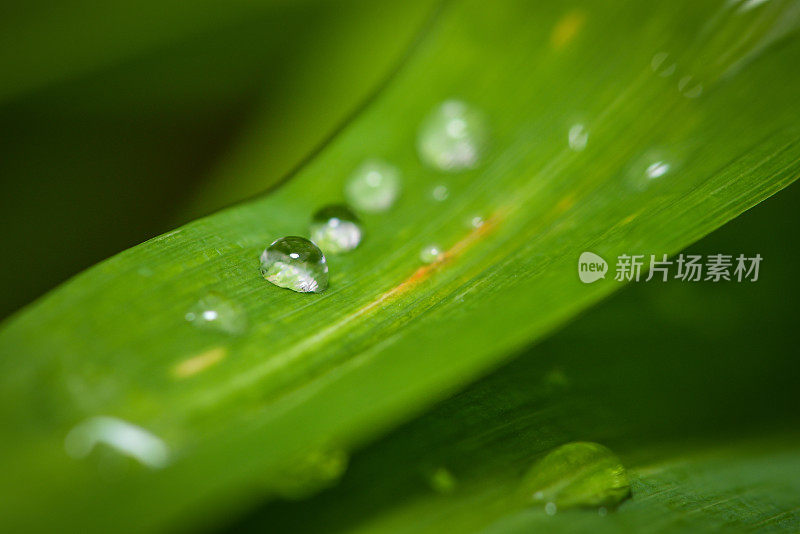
(295, 263)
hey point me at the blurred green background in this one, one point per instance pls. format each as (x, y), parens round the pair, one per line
(123, 120)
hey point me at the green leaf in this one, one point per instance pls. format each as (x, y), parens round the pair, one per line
(244, 417)
(677, 378)
(132, 148)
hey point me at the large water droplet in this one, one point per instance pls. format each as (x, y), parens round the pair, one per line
(312, 472)
(121, 436)
(335, 229)
(579, 474)
(295, 263)
(453, 137)
(216, 312)
(374, 186)
(430, 254)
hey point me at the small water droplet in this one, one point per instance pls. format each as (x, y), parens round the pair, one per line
(430, 254)
(312, 472)
(690, 88)
(216, 312)
(661, 65)
(649, 168)
(442, 480)
(453, 137)
(374, 186)
(579, 474)
(476, 221)
(121, 436)
(602, 511)
(550, 508)
(657, 169)
(295, 263)
(440, 193)
(578, 137)
(335, 229)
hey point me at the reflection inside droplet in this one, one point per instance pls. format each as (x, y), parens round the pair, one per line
(657, 169)
(430, 254)
(578, 137)
(123, 437)
(219, 313)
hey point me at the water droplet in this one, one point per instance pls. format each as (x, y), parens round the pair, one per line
(578, 137)
(649, 168)
(657, 169)
(123, 437)
(602, 511)
(476, 221)
(442, 480)
(216, 312)
(578, 474)
(295, 263)
(440, 193)
(374, 186)
(689, 88)
(453, 137)
(335, 229)
(661, 65)
(550, 508)
(430, 254)
(312, 472)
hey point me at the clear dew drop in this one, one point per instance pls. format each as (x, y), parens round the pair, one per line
(374, 186)
(120, 436)
(577, 475)
(578, 137)
(453, 137)
(440, 193)
(311, 472)
(657, 169)
(476, 221)
(219, 313)
(335, 229)
(295, 263)
(430, 254)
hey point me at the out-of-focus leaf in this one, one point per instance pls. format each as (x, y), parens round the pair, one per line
(316, 375)
(124, 151)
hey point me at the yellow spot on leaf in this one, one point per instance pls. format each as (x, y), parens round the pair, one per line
(567, 28)
(196, 364)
